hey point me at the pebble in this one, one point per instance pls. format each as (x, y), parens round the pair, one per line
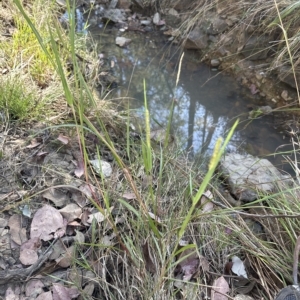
(285, 95)
(173, 12)
(61, 2)
(215, 62)
(122, 41)
(258, 76)
(156, 18)
(145, 22)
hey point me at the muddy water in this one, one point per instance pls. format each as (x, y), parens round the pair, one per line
(207, 103)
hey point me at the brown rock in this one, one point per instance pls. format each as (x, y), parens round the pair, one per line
(197, 39)
(286, 75)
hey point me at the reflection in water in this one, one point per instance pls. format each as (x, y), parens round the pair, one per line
(207, 105)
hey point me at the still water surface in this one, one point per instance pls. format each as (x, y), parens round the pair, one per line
(207, 102)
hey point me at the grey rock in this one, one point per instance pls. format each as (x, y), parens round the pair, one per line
(212, 39)
(255, 47)
(172, 20)
(248, 176)
(114, 14)
(196, 39)
(286, 75)
(285, 95)
(156, 19)
(173, 12)
(113, 4)
(218, 25)
(122, 41)
(215, 62)
(103, 168)
(145, 22)
(3, 223)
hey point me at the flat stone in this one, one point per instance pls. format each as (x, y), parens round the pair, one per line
(102, 167)
(219, 25)
(122, 41)
(249, 176)
(114, 14)
(173, 12)
(113, 4)
(197, 39)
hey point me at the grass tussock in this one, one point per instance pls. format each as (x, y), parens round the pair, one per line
(22, 49)
(16, 100)
(142, 260)
(27, 61)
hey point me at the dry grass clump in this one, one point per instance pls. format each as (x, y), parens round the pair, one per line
(140, 263)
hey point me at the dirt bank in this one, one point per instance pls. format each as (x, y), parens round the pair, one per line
(244, 39)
